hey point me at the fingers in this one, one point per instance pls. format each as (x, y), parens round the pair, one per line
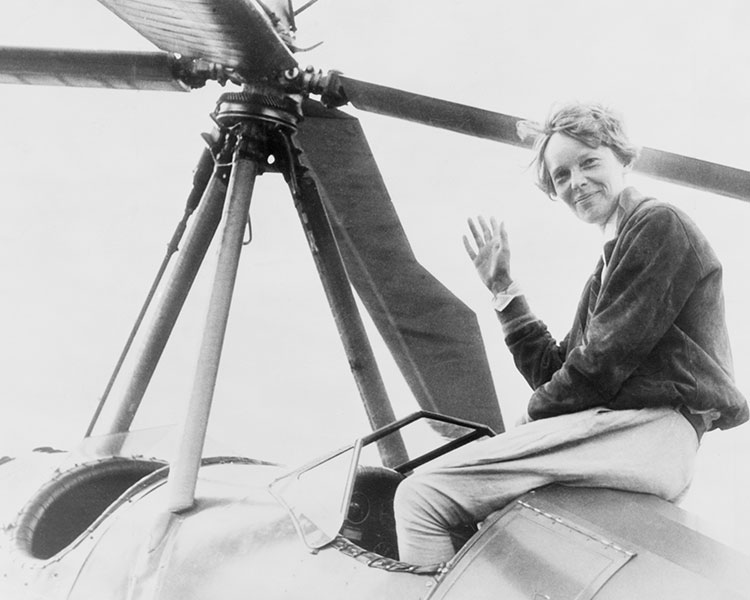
(486, 231)
(484, 234)
(475, 232)
(469, 249)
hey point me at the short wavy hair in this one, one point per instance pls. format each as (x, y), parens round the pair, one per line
(591, 124)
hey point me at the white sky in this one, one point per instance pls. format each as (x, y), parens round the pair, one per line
(93, 183)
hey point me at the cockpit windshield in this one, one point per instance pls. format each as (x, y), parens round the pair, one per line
(319, 495)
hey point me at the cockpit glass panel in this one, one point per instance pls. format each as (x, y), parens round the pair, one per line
(317, 495)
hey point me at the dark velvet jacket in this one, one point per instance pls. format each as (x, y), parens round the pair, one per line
(652, 333)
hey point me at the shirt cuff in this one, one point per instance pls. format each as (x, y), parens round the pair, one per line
(503, 298)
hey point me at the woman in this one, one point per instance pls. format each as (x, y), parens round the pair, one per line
(623, 400)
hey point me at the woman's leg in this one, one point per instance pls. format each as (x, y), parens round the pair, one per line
(648, 450)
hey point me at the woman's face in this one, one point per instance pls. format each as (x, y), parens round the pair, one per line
(588, 180)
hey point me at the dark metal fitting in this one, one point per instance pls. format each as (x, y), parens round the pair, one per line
(258, 102)
(291, 74)
(333, 93)
(250, 142)
(194, 73)
(307, 81)
(314, 81)
(213, 140)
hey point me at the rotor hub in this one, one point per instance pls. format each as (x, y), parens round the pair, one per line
(259, 103)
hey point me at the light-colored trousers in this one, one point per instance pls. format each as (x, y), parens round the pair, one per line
(648, 450)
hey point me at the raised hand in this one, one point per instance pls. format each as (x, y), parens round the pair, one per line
(491, 257)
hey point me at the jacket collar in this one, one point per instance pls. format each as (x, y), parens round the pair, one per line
(630, 199)
(628, 202)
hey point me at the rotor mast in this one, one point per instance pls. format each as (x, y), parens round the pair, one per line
(259, 122)
(253, 125)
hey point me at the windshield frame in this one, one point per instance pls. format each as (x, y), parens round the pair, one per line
(316, 532)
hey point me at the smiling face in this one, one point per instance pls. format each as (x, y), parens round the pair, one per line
(589, 180)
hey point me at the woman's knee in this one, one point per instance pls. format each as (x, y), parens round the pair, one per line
(410, 497)
(419, 497)
(427, 497)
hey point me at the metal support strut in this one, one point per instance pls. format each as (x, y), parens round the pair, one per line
(340, 297)
(189, 259)
(245, 169)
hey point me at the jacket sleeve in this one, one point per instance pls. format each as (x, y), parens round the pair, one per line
(536, 354)
(653, 270)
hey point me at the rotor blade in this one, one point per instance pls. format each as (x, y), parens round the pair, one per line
(236, 34)
(461, 118)
(695, 173)
(82, 68)
(434, 337)
(674, 168)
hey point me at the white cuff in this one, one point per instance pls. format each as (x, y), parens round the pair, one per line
(503, 298)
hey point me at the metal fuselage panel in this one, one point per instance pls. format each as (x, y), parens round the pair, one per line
(579, 544)
(236, 542)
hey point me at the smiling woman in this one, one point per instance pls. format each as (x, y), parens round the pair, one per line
(593, 126)
(589, 180)
(623, 400)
